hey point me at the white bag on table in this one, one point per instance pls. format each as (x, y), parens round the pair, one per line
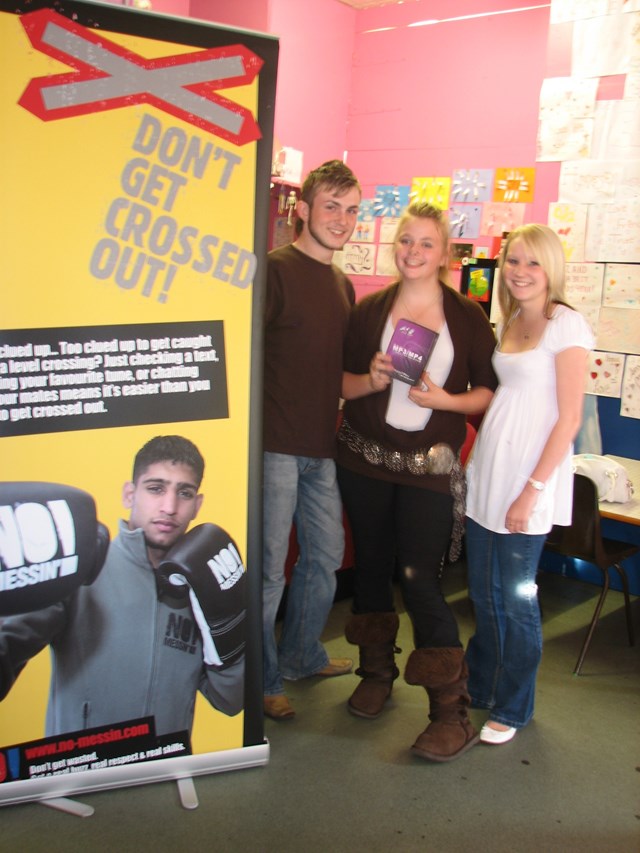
(610, 477)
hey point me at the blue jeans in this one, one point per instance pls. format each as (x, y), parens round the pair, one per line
(302, 490)
(504, 653)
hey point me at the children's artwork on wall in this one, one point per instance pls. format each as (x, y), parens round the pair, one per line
(616, 131)
(464, 220)
(563, 138)
(632, 86)
(364, 232)
(388, 227)
(366, 213)
(390, 199)
(604, 373)
(568, 97)
(514, 185)
(619, 330)
(433, 191)
(612, 232)
(357, 259)
(621, 286)
(630, 402)
(385, 260)
(569, 221)
(458, 252)
(471, 185)
(563, 11)
(588, 181)
(605, 45)
(498, 217)
(583, 290)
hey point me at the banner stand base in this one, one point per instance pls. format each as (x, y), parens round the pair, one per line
(64, 804)
(187, 793)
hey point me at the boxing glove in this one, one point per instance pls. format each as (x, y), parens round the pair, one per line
(207, 561)
(50, 544)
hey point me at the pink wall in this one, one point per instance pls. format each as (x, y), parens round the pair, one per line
(314, 76)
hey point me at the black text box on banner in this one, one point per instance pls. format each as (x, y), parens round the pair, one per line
(92, 377)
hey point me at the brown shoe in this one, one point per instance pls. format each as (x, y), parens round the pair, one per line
(278, 708)
(335, 666)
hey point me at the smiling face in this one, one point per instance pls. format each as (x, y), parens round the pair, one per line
(328, 222)
(524, 277)
(163, 502)
(420, 251)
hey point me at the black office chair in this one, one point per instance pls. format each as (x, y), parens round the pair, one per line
(584, 541)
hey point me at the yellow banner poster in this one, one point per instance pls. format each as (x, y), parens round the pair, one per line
(135, 159)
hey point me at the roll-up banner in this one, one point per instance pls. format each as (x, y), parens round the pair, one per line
(135, 154)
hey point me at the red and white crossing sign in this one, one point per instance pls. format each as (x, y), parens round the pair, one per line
(108, 77)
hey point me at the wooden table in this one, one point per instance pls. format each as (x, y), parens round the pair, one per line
(628, 512)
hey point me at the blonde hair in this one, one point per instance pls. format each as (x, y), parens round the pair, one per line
(543, 244)
(424, 210)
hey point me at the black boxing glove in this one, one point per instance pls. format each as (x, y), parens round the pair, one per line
(207, 560)
(50, 544)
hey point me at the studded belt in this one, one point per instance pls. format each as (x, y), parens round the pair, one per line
(438, 459)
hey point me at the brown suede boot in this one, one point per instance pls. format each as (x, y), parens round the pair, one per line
(375, 634)
(443, 673)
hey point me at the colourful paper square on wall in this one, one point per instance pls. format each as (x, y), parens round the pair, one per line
(472, 185)
(464, 220)
(433, 191)
(498, 218)
(390, 199)
(514, 185)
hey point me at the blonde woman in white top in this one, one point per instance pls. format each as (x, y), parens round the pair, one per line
(520, 476)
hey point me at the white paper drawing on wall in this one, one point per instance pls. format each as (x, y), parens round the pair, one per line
(630, 398)
(613, 234)
(388, 226)
(604, 373)
(619, 330)
(605, 45)
(584, 290)
(357, 259)
(385, 260)
(621, 286)
(589, 182)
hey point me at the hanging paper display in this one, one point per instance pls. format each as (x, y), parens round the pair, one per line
(385, 260)
(433, 191)
(366, 212)
(604, 373)
(357, 259)
(498, 217)
(569, 221)
(390, 199)
(514, 185)
(464, 220)
(388, 228)
(630, 402)
(472, 185)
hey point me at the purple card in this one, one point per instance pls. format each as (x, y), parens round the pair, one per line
(410, 348)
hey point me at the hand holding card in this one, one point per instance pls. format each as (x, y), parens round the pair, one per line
(410, 348)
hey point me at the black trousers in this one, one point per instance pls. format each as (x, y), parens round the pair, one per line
(405, 531)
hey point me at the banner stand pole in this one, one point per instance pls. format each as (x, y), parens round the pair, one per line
(187, 793)
(72, 807)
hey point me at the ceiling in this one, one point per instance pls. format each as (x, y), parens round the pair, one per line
(367, 4)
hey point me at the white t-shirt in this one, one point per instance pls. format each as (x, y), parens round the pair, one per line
(515, 429)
